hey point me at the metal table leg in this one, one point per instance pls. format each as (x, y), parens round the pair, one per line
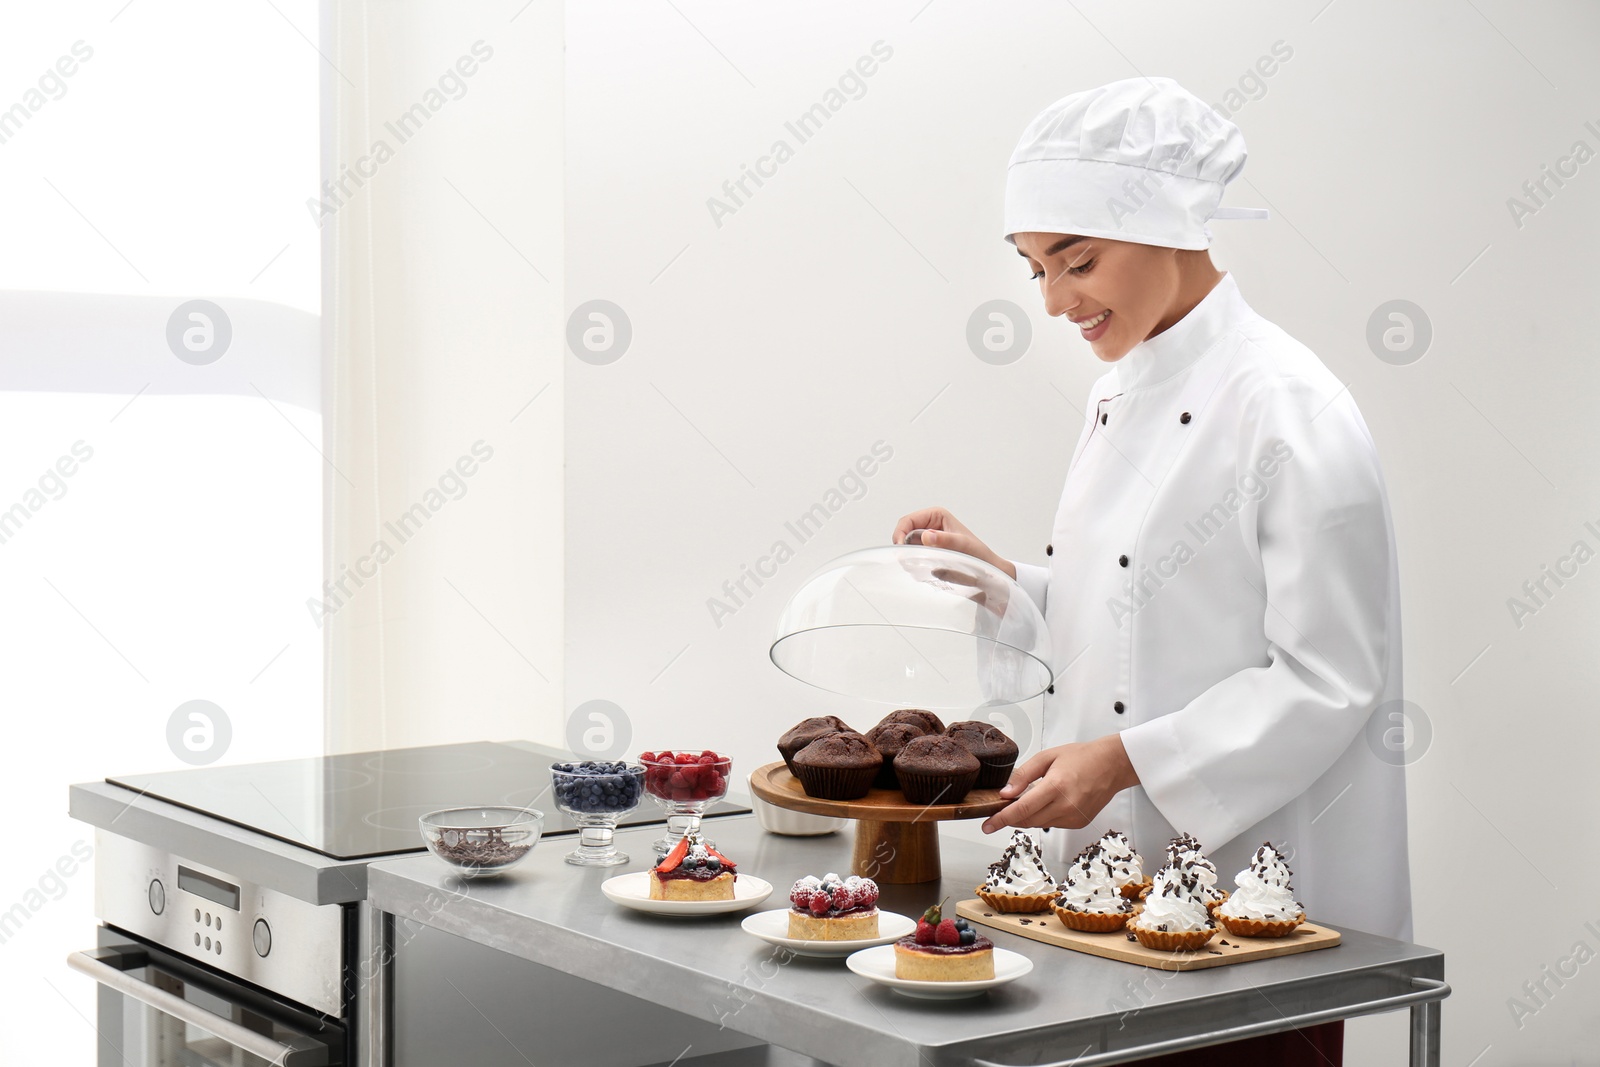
(1425, 1033)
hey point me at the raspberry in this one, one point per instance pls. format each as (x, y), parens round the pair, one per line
(819, 903)
(925, 932)
(947, 934)
(843, 898)
(867, 894)
(800, 896)
(707, 752)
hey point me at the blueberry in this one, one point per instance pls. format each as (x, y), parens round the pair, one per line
(968, 936)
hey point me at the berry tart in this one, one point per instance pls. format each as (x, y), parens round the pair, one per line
(943, 950)
(693, 870)
(831, 909)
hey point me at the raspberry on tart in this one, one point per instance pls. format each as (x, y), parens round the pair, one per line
(943, 950)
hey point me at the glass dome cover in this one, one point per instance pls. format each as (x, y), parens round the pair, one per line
(915, 626)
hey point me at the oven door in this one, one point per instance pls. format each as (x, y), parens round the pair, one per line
(158, 1010)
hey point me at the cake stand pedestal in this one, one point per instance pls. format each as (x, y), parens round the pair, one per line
(897, 842)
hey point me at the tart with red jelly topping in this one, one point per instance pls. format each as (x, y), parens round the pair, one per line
(693, 870)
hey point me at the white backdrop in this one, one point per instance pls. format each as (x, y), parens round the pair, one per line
(775, 336)
(773, 345)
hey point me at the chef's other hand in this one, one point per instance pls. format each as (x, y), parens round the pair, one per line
(1065, 786)
(943, 530)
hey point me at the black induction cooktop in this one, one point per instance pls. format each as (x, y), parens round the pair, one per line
(366, 804)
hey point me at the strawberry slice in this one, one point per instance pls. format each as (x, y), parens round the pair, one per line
(675, 857)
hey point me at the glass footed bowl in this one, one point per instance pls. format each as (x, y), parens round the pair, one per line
(482, 841)
(685, 783)
(596, 794)
(915, 626)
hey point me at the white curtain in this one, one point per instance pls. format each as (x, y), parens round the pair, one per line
(443, 236)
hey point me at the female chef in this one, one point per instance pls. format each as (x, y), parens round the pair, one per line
(1220, 582)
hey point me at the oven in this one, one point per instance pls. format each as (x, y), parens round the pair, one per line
(159, 1009)
(232, 898)
(199, 969)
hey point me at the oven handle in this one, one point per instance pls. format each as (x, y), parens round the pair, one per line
(300, 1051)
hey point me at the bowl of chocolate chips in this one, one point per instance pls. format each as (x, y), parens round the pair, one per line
(483, 840)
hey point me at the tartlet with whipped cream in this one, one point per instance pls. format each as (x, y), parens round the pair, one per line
(1018, 882)
(1174, 917)
(1264, 904)
(1091, 899)
(1185, 849)
(1132, 882)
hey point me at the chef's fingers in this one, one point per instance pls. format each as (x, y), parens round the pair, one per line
(957, 542)
(1032, 768)
(1024, 811)
(925, 519)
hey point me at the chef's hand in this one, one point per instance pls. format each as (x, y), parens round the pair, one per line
(1065, 786)
(942, 530)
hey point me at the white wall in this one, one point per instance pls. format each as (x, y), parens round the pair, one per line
(829, 310)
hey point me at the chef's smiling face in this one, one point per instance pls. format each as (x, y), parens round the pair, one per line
(1085, 277)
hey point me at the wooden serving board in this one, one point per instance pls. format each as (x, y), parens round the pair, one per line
(896, 841)
(774, 784)
(1116, 946)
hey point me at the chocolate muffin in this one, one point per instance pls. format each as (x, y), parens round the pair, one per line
(890, 737)
(935, 769)
(996, 752)
(927, 720)
(838, 766)
(802, 734)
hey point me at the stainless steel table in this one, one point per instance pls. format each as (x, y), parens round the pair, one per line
(1071, 1009)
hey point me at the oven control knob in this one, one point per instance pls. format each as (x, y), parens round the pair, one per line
(158, 896)
(262, 936)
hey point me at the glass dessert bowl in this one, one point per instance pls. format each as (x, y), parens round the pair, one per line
(482, 841)
(596, 794)
(685, 784)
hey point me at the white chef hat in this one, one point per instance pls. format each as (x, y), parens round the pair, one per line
(1141, 160)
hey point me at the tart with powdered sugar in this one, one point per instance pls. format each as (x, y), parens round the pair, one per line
(831, 908)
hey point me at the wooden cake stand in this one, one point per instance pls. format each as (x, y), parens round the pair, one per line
(897, 841)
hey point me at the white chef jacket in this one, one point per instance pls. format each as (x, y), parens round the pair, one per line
(1221, 588)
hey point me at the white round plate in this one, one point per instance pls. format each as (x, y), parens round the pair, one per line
(773, 928)
(633, 891)
(878, 965)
